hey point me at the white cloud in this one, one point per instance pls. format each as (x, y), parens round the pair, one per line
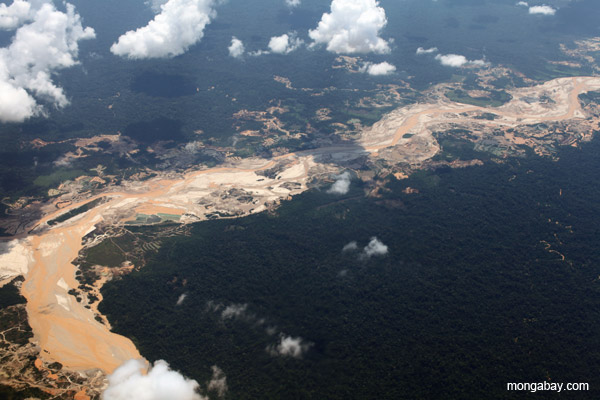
(231, 311)
(16, 104)
(452, 60)
(218, 382)
(155, 4)
(478, 63)
(352, 246)
(523, 4)
(193, 147)
(271, 330)
(289, 347)
(19, 12)
(383, 68)
(456, 61)
(292, 3)
(258, 53)
(63, 161)
(47, 44)
(352, 26)
(181, 299)
(544, 10)
(374, 248)
(179, 25)
(421, 50)
(341, 185)
(160, 382)
(236, 49)
(234, 311)
(212, 306)
(285, 43)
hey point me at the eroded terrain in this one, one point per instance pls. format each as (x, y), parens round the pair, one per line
(68, 330)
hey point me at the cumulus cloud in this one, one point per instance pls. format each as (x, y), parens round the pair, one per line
(352, 246)
(352, 26)
(523, 4)
(181, 299)
(39, 48)
(292, 3)
(179, 25)
(374, 248)
(237, 311)
(218, 381)
(236, 49)
(544, 10)
(457, 61)
(430, 50)
(285, 43)
(159, 383)
(383, 68)
(19, 12)
(234, 311)
(289, 347)
(341, 185)
(16, 104)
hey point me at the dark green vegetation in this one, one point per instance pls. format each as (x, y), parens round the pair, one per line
(456, 148)
(162, 85)
(130, 244)
(75, 211)
(473, 294)
(10, 295)
(551, 71)
(8, 393)
(14, 325)
(57, 177)
(19, 175)
(13, 316)
(155, 130)
(15, 332)
(496, 98)
(589, 98)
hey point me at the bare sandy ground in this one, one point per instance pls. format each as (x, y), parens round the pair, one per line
(64, 329)
(68, 333)
(554, 101)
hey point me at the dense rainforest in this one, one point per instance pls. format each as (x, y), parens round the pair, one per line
(491, 276)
